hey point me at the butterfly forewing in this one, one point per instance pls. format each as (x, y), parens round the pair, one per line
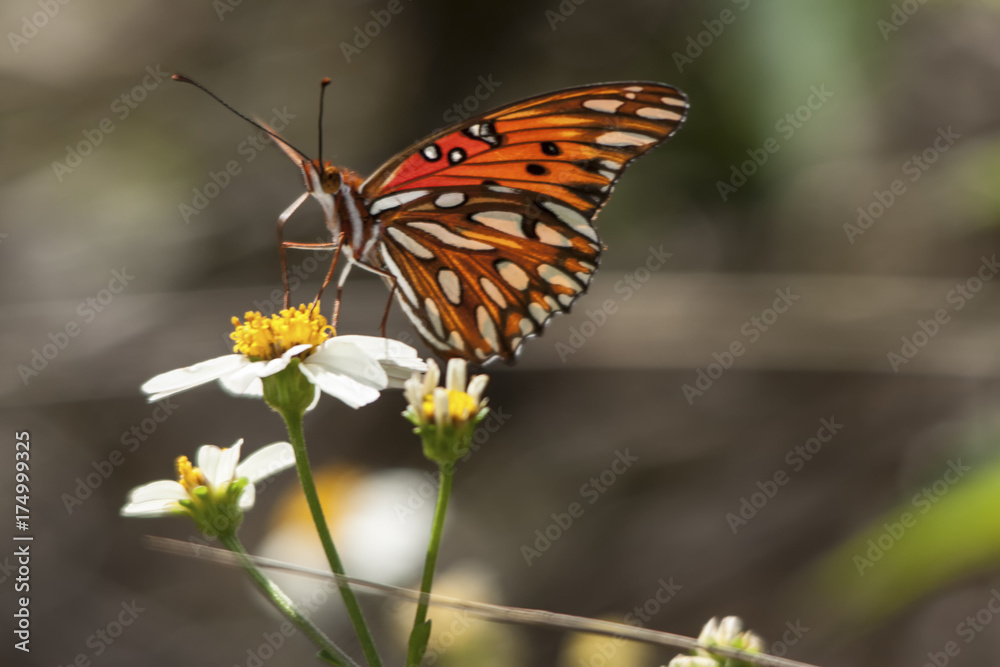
(487, 226)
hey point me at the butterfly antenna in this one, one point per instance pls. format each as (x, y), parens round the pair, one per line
(322, 94)
(184, 79)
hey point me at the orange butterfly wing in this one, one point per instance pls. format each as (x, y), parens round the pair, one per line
(487, 226)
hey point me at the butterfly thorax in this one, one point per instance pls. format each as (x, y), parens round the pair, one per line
(338, 191)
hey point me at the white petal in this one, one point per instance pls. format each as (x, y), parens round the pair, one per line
(225, 472)
(342, 357)
(242, 384)
(477, 386)
(263, 369)
(350, 391)
(172, 382)
(382, 348)
(247, 497)
(432, 376)
(456, 375)
(207, 459)
(267, 461)
(164, 489)
(397, 359)
(294, 350)
(413, 390)
(152, 508)
(442, 415)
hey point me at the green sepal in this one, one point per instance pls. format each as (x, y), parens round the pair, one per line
(419, 639)
(329, 658)
(289, 391)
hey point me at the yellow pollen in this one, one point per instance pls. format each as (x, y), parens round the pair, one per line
(260, 337)
(460, 406)
(190, 477)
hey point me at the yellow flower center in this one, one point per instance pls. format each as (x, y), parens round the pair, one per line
(460, 406)
(190, 477)
(260, 337)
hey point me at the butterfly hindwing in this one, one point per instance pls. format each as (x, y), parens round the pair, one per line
(487, 226)
(480, 269)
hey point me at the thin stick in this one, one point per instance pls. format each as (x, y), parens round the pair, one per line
(499, 613)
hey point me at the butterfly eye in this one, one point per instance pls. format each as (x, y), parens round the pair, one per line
(331, 179)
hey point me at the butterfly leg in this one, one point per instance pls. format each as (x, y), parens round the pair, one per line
(389, 278)
(329, 274)
(282, 219)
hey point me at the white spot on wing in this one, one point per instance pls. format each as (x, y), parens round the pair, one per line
(554, 276)
(550, 236)
(500, 188)
(634, 89)
(565, 299)
(493, 292)
(434, 315)
(487, 328)
(450, 285)
(611, 164)
(431, 152)
(513, 274)
(395, 201)
(617, 138)
(456, 340)
(449, 237)
(450, 200)
(569, 216)
(407, 290)
(502, 221)
(538, 313)
(657, 114)
(603, 105)
(409, 243)
(526, 325)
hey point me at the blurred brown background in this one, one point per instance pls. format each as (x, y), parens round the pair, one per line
(836, 102)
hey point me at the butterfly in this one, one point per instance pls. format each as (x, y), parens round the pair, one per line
(484, 230)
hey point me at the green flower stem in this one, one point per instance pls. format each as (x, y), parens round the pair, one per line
(293, 421)
(329, 651)
(444, 493)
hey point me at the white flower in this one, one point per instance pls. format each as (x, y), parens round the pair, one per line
(216, 470)
(452, 405)
(353, 369)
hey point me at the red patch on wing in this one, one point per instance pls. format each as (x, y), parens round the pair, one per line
(417, 166)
